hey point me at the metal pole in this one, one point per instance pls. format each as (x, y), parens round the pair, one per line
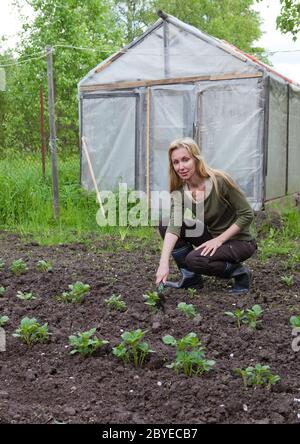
(52, 141)
(42, 130)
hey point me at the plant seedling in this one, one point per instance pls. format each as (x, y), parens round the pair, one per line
(2, 291)
(3, 320)
(77, 292)
(116, 303)
(288, 280)
(18, 267)
(190, 355)
(30, 331)
(295, 321)
(85, 343)
(2, 264)
(258, 375)
(252, 316)
(238, 315)
(152, 299)
(187, 309)
(25, 296)
(192, 292)
(131, 348)
(44, 266)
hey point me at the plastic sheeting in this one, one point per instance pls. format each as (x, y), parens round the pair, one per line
(109, 127)
(230, 131)
(294, 141)
(277, 140)
(186, 55)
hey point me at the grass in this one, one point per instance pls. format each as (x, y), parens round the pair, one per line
(26, 204)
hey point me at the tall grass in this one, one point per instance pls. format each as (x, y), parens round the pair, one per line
(26, 203)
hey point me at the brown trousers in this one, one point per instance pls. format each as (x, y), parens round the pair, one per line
(233, 251)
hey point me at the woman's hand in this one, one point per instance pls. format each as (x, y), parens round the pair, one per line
(162, 273)
(210, 246)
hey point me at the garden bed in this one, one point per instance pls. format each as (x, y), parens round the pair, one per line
(45, 384)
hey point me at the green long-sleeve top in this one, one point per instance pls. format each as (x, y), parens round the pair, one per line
(217, 214)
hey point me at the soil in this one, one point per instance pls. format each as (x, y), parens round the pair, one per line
(46, 384)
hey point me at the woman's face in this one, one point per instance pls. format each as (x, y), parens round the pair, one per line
(183, 163)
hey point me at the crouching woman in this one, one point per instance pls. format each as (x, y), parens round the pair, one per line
(220, 240)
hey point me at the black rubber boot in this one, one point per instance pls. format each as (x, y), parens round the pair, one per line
(189, 279)
(242, 277)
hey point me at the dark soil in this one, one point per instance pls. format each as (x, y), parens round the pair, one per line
(45, 384)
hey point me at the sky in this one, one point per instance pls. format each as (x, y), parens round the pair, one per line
(284, 58)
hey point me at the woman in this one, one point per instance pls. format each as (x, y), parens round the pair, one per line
(224, 241)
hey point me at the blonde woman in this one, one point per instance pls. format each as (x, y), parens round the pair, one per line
(223, 240)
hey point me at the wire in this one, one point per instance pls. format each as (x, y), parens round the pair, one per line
(23, 61)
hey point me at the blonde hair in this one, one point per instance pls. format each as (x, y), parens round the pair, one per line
(203, 170)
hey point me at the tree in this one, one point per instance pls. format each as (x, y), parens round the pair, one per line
(289, 18)
(66, 25)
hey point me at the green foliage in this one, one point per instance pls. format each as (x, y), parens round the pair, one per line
(2, 264)
(116, 303)
(190, 355)
(85, 343)
(289, 17)
(44, 266)
(30, 331)
(132, 349)
(2, 291)
(295, 321)
(191, 292)
(3, 320)
(288, 280)
(25, 296)
(187, 309)
(152, 299)
(18, 267)
(249, 317)
(76, 294)
(258, 375)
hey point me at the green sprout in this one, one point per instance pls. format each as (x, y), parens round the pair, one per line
(25, 296)
(288, 280)
(192, 292)
(85, 343)
(2, 264)
(132, 349)
(76, 294)
(30, 331)
(18, 267)
(3, 320)
(116, 303)
(152, 299)
(249, 317)
(258, 375)
(187, 309)
(2, 291)
(44, 266)
(190, 355)
(295, 321)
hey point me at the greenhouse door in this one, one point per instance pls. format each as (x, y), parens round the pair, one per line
(108, 123)
(172, 117)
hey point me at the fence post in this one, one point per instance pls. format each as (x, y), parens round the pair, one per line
(51, 107)
(42, 130)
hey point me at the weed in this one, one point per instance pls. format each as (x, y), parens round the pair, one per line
(190, 355)
(3, 320)
(192, 292)
(2, 264)
(25, 296)
(131, 348)
(258, 375)
(187, 309)
(288, 280)
(2, 291)
(76, 294)
(44, 266)
(295, 321)
(85, 343)
(116, 303)
(18, 267)
(30, 331)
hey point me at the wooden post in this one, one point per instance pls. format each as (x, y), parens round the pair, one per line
(42, 131)
(51, 107)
